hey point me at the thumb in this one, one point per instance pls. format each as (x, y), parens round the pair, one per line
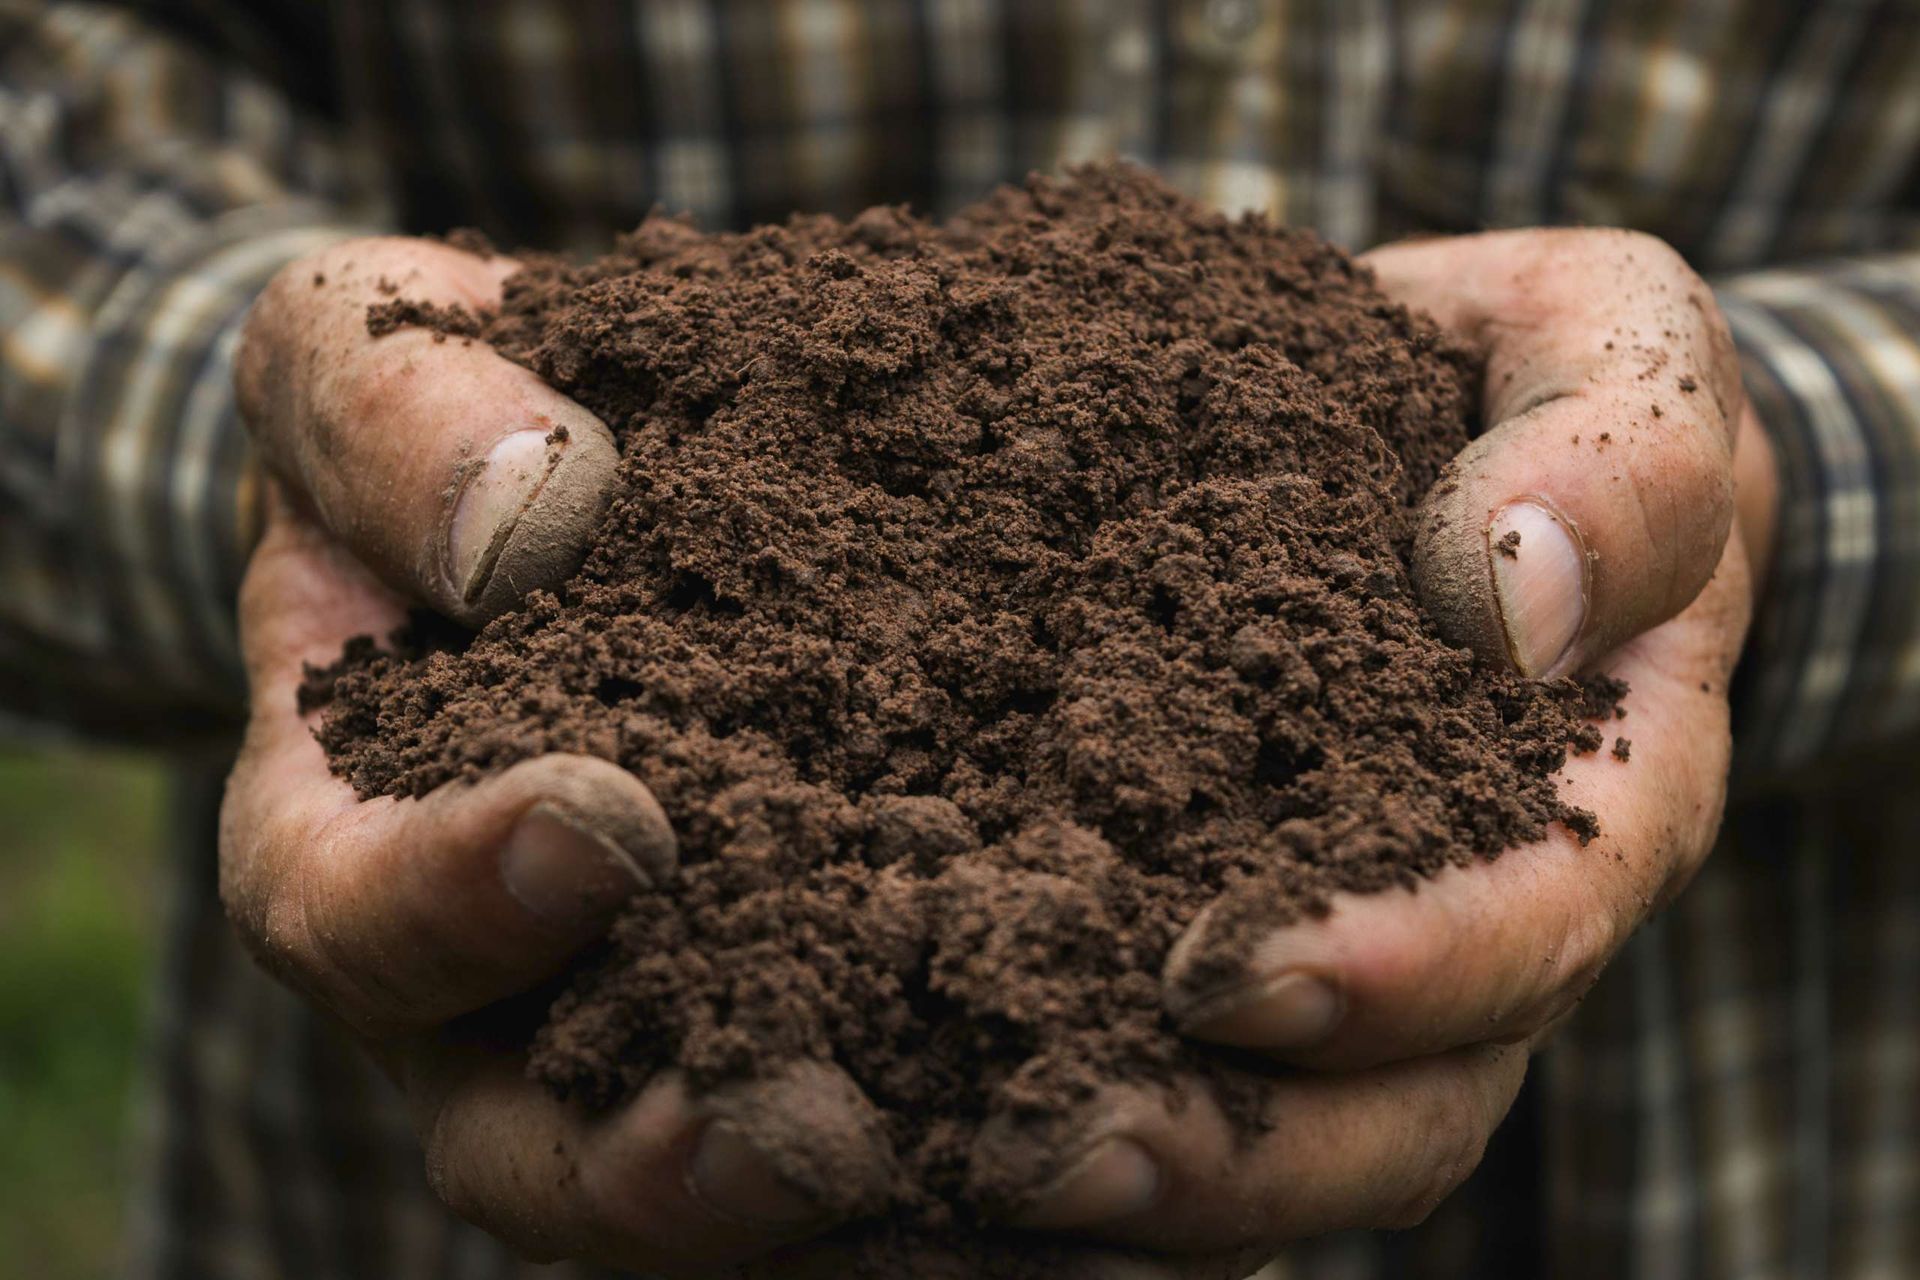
(460, 478)
(1550, 555)
(1597, 503)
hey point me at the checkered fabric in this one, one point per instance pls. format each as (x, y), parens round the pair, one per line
(1740, 1097)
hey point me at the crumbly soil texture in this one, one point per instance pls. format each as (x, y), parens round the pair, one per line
(980, 600)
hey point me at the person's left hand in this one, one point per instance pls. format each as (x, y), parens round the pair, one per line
(414, 471)
(1616, 432)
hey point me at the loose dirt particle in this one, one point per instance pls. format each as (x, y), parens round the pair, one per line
(442, 321)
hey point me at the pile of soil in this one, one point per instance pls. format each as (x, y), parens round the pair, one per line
(981, 601)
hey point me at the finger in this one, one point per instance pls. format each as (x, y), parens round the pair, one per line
(1169, 1170)
(1496, 951)
(1596, 504)
(669, 1183)
(405, 912)
(460, 477)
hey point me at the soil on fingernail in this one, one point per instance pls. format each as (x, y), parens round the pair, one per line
(981, 601)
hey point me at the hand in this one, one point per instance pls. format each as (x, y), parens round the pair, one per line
(1619, 447)
(433, 471)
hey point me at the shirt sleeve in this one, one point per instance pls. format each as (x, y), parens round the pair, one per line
(1831, 356)
(148, 189)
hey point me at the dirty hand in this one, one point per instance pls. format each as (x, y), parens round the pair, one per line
(1619, 448)
(437, 472)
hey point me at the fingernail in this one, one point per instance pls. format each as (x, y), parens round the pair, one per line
(1116, 1179)
(1291, 1010)
(1540, 577)
(564, 873)
(734, 1178)
(492, 498)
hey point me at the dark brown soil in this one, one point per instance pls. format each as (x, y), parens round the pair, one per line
(980, 601)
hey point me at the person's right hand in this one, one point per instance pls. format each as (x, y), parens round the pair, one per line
(1402, 1020)
(436, 471)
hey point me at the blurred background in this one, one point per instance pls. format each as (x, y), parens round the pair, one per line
(80, 909)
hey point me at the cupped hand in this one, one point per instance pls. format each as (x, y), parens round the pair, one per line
(414, 469)
(1619, 448)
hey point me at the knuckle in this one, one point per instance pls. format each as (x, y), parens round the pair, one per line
(1682, 496)
(1588, 948)
(352, 259)
(452, 1176)
(264, 337)
(295, 314)
(1587, 945)
(287, 917)
(342, 971)
(1690, 841)
(336, 262)
(253, 891)
(294, 949)
(1448, 1132)
(1449, 1147)
(379, 386)
(1687, 304)
(1638, 252)
(274, 929)
(439, 1121)
(1701, 459)
(282, 288)
(1561, 263)
(466, 1177)
(442, 1171)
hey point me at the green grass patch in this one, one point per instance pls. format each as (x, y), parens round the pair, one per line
(81, 837)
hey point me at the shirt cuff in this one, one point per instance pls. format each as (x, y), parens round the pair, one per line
(1831, 359)
(124, 600)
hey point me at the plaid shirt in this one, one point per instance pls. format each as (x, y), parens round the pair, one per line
(1740, 1097)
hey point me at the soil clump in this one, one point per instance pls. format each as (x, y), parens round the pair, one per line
(980, 600)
